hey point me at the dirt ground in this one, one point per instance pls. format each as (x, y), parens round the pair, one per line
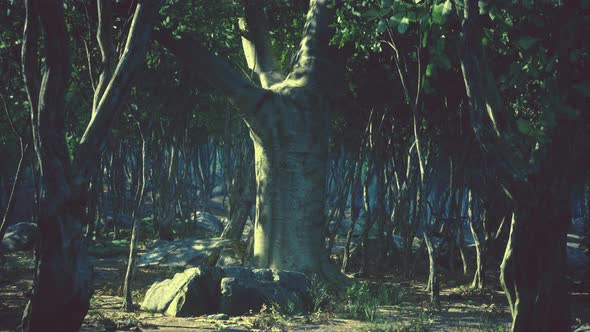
(459, 312)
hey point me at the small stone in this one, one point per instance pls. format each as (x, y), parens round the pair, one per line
(218, 317)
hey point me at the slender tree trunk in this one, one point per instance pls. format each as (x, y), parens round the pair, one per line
(135, 224)
(479, 280)
(433, 283)
(92, 208)
(354, 211)
(15, 183)
(368, 221)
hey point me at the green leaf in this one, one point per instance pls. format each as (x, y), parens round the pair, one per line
(447, 8)
(394, 21)
(524, 126)
(583, 88)
(429, 70)
(527, 42)
(372, 14)
(437, 14)
(386, 3)
(382, 26)
(483, 7)
(403, 25)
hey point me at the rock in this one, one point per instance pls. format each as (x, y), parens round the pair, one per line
(183, 253)
(20, 237)
(156, 243)
(243, 290)
(229, 291)
(110, 248)
(193, 292)
(218, 317)
(208, 222)
(218, 191)
(578, 263)
(581, 328)
(398, 242)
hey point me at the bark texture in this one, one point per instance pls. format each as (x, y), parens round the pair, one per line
(63, 277)
(288, 125)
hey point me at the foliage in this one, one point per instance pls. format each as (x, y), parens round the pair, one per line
(269, 318)
(320, 296)
(362, 300)
(109, 248)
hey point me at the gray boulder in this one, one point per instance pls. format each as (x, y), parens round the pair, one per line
(194, 292)
(581, 328)
(578, 263)
(20, 237)
(231, 291)
(182, 253)
(218, 191)
(208, 222)
(243, 290)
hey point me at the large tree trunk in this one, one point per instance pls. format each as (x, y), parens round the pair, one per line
(289, 127)
(532, 272)
(63, 276)
(290, 160)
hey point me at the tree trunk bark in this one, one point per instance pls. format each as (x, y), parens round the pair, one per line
(433, 283)
(532, 272)
(62, 285)
(354, 210)
(479, 280)
(135, 223)
(290, 161)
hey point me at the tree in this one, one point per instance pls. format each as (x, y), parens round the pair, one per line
(63, 275)
(539, 184)
(288, 122)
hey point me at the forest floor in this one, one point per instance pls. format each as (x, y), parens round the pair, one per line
(459, 311)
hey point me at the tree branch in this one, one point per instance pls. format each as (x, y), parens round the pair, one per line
(30, 64)
(256, 44)
(317, 62)
(213, 69)
(494, 127)
(104, 36)
(54, 159)
(119, 85)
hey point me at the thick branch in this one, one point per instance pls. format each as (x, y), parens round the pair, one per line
(29, 58)
(54, 158)
(104, 36)
(493, 125)
(118, 88)
(213, 69)
(317, 62)
(256, 44)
